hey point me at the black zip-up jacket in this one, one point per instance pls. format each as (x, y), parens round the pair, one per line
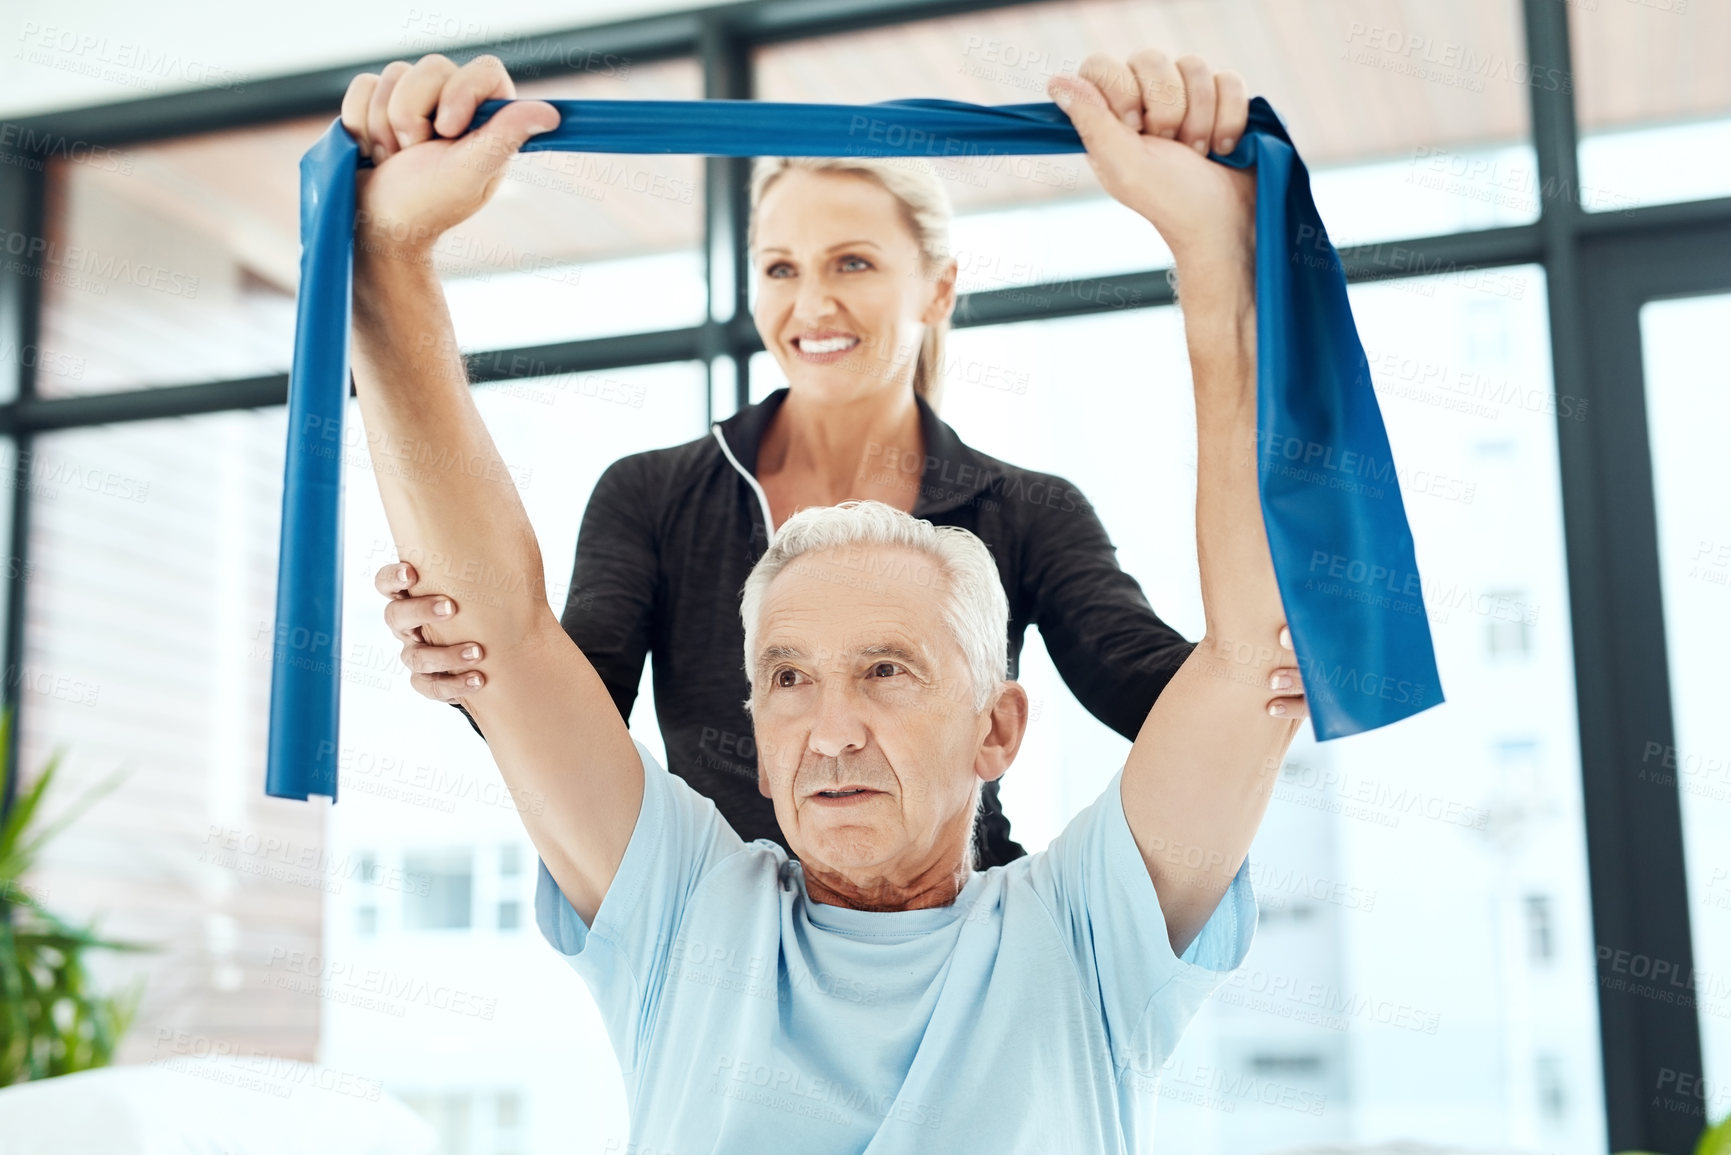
(669, 536)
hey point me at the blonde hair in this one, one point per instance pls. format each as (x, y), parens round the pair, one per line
(925, 206)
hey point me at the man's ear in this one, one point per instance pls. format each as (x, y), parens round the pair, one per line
(1008, 722)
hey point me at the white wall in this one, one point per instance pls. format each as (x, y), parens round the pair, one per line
(60, 54)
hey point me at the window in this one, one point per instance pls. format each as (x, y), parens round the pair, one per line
(1541, 945)
(1509, 623)
(1419, 128)
(1653, 101)
(1412, 847)
(422, 796)
(177, 262)
(151, 578)
(1553, 1094)
(446, 903)
(473, 1122)
(1688, 412)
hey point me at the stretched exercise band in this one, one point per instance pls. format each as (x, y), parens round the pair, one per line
(1343, 553)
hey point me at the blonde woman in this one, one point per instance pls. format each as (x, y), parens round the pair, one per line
(854, 292)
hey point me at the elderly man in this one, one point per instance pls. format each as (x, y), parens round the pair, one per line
(876, 994)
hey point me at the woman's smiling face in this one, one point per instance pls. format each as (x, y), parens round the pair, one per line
(841, 298)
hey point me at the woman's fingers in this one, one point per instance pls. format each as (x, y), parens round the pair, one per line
(443, 673)
(1289, 701)
(447, 687)
(406, 615)
(1291, 705)
(422, 658)
(395, 579)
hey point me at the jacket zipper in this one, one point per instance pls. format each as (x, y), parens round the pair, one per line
(762, 497)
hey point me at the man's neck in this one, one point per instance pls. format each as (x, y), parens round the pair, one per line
(938, 885)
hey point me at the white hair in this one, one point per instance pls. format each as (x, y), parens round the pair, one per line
(974, 605)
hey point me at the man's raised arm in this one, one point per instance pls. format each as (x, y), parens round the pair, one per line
(453, 508)
(1200, 773)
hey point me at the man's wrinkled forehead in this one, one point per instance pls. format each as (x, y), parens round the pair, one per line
(870, 568)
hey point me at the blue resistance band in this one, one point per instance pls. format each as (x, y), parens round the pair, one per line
(1342, 550)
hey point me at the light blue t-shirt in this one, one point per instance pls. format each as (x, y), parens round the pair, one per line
(1031, 1015)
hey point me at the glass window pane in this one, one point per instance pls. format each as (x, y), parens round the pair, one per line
(1402, 873)
(441, 897)
(580, 244)
(1653, 99)
(176, 262)
(152, 585)
(1419, 121)
(1689, 417)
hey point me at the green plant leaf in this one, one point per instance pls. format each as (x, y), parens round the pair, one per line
(52, 1019)
(1717, 1140)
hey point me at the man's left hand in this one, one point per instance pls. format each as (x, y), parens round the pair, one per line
(1148, 124)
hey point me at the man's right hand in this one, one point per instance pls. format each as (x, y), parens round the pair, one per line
(429, 175)
(442, 673)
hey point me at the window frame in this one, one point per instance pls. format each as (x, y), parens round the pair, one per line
(1599, 268)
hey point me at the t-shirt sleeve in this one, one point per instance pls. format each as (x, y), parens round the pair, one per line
(1096, 885)
(623, 957)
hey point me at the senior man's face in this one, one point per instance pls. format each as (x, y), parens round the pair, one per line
(868, 740)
